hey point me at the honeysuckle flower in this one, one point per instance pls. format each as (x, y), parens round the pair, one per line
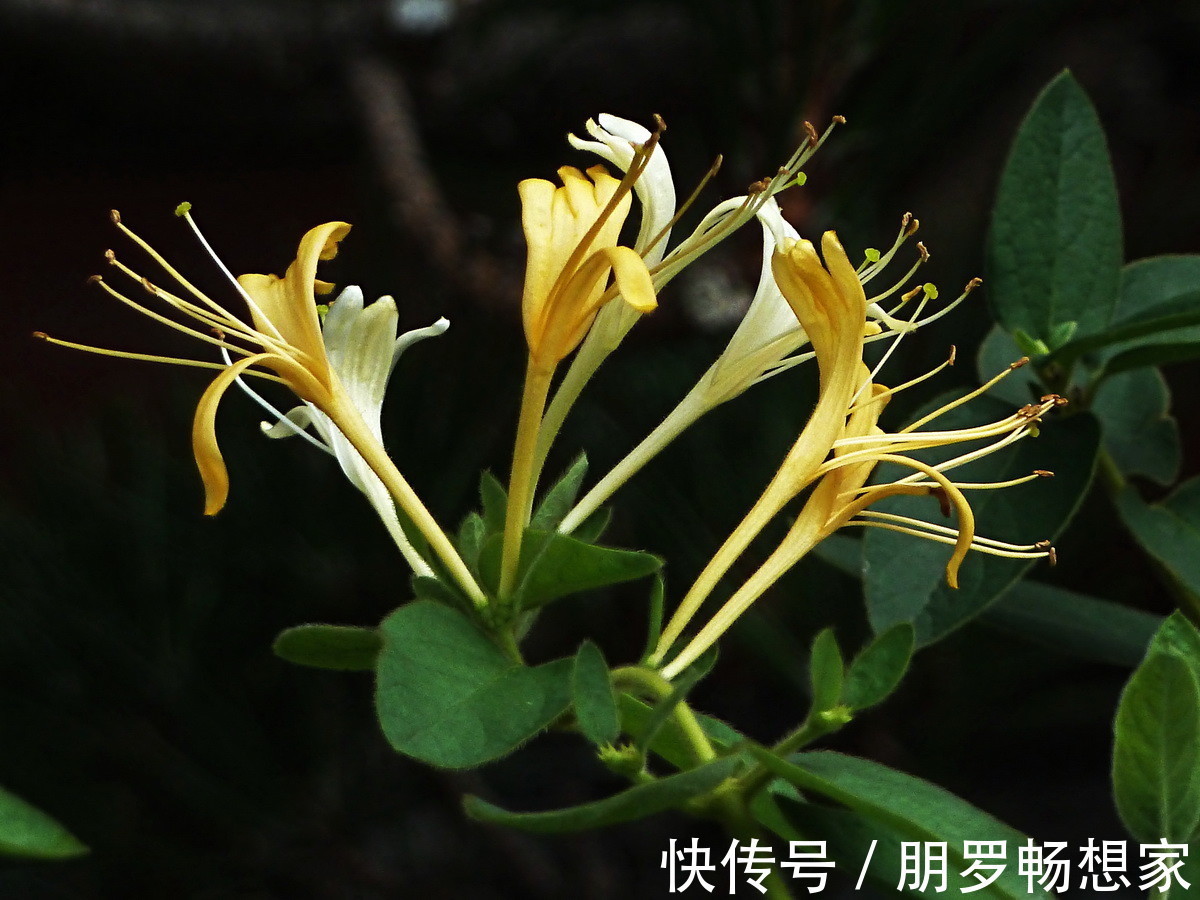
(283, 342)
(571, 233)
(766, 342)
(839, 448)
(363, 348)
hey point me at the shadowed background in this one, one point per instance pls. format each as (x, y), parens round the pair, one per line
(139, 700)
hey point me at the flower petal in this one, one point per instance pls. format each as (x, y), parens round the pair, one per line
(209, 460)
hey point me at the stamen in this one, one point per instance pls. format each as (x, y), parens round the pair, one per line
(679, 213)
(975, 545)
(953, 532)
(887, 355)
(184, 210)
(966, 398)
(161, 319)
(971, 285)
(905, 221)
(147, 357)
(913, 382)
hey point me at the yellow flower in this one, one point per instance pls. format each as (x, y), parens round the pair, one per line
(839, 448)
(571, 232)
(283, 342)
(284, 312)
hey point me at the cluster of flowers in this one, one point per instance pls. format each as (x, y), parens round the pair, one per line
(584, 290)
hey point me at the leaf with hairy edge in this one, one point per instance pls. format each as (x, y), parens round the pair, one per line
(343, 647)
(878, 669)
(1169, 531)
(1156, 753)
(1139, 431)
(561, 497)
(636, 803)
(1054, 249)
(446, 695)
(916, 809)
(592, 693)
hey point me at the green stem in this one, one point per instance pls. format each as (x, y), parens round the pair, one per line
(649, 683)
(523, 481)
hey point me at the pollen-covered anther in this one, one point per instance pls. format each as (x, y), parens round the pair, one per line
(41, 335)
(1023, 361)
(923, 251)
(919, 289)
(953, 354)
(1055, 400)
(1030, 411)
(972, 284)
(759, 186)
(840, 120)
(94, 279)
(811, 131)
(114, 216)
(111, 256)
(660, 124)
(1043, 473)
(911, 224)
(149, 287)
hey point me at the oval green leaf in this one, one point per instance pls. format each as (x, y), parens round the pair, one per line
(341, 647)
(26, 831)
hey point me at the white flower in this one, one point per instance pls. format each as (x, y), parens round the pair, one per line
(363, 348)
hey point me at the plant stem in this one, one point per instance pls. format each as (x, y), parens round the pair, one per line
(523, 480)
(351, 424)
(650, 684)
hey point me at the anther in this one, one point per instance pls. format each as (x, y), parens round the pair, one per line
(905, 219)
(913, 225)
(841, 120)
(924, 252)
(972, 284)
(1029, 411)
(1052, 556)
(115, 216)
(919, 289)
(111, 257)
(1023, 361)
(150, 288)
(660, 124)
(94, 279)
(759, 186)
(953, 354)
(41, 335)
(813, 137)
(1043, 473)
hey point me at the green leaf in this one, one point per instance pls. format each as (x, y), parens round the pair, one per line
(826, 672)
(592, 693)
(471, 535)
(879, 667)
(342, 647)
(494, 498)
(561, 497)
(1074, 623)
(905, 576)
(916, 809)
(658, 595)
(1150, 285)
(636, 803)
(1180, 638)
(428, 587)
(1054, 249)
(1156, 754)
(1169, 531)
(591, 528)
(1178, 314)
(997, 353)
(1139, 432)
(446, 695)
(26, 831)
(556, 565)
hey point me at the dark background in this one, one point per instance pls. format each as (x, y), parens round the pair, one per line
(139, 700)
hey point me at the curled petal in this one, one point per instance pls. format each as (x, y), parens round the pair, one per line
(209, 460)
